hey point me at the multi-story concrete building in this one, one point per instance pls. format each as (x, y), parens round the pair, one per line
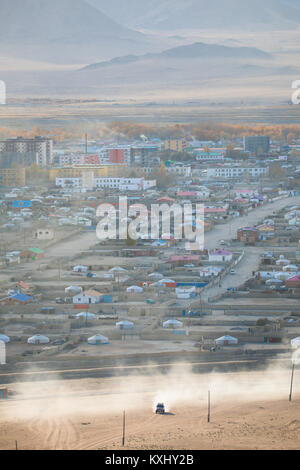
(9, 159)
(179, 169)
(237, 172)
(257, 144)
(12, 177)
(76, 171)
(176, 145)
(212, 155)
(120, 184)
(41, 146)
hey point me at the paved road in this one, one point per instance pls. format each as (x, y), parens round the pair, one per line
(228, 231)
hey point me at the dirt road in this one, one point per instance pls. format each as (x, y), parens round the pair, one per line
(248, 411)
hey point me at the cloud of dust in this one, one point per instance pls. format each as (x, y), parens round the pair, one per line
(55, 398)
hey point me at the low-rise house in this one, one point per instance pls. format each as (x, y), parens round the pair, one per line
(220, 256)
(87, 297)
(185, 293)
(293, 282)
(32, 253)
(181, 260)
(44, 234)
(248, 235)
(18, 299)
(265, 231)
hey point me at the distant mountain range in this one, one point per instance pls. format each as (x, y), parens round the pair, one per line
(197, 50)
(63, 31)
(200, 14)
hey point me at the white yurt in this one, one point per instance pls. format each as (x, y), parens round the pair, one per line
(98, 339)
(4, 338)
(166, 281)
(73, 290)
(125, 325)
(290, 267)
(295, 343)
(172, 324)
(226, 341)
(85, 316)
(80, 269)
(117, 269)
(155, 276)
(134, 290)
(38, 339)
(282, 261)
(283, 276)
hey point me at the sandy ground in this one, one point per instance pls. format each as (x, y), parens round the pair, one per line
(248, 411)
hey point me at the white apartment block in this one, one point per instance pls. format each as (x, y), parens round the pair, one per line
(180, 170)
(119, 184)
(236, 172)
(210, 157)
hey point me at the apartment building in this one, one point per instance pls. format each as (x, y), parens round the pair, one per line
(120, 184)
(80, 159)
(9, 159)
(12, 177)
(237, 172)
(256, 144)
(76, 171)
(179, 170)
(203, 156)
(176, 145)
(41, 146)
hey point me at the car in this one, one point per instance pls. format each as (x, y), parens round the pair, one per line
(57, 342)
(27, 353)
(193, 313)
(58, 300)
(222, 242)
(189, 265)
(232, 272)
(160, 408)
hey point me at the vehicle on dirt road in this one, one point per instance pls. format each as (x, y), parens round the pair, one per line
(160, 409)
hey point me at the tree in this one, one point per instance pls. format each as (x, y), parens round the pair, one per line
(276, 171)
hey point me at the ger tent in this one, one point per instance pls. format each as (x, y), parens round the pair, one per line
(156, 275)
(172, 324)
(117, 269)
(38, 339)
(125, 325)
(166, 281)
(73, 290)
(98, 339)
(4, 338)
(226, 341)
(134, 290)
(295, 343)
(85, 316)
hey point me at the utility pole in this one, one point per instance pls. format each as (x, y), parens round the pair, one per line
(123, 438)
(208, 407)
(292, 380)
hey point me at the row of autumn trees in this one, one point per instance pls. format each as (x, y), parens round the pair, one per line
(118, 129)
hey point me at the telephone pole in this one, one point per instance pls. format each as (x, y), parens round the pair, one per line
(124, 423)
(292, 380)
